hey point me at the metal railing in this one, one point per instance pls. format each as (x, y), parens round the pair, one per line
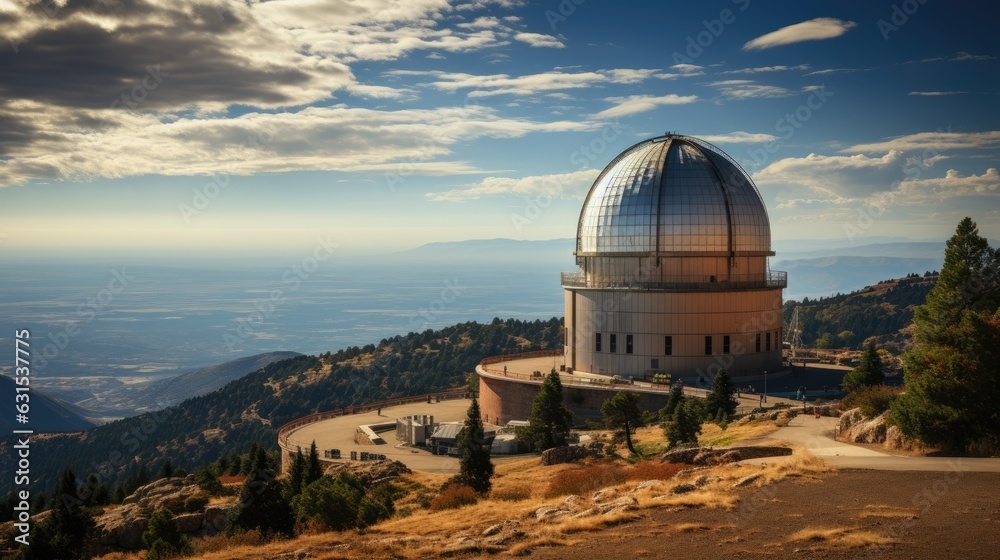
(773, 279)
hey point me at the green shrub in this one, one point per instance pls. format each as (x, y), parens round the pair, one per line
(164, 538)
(872, 400)
(195, 503)
(454, 496)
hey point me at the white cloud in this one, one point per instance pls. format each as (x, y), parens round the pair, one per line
(844, 177)
(838, 71)
(812, 30)
(762, 69)
(539, 40)
(315, 138)
(738, 137)
(964, 56)
(953, 184)
(749, 89)
(932, 141)
(569, 185)
(529, 84)
(936, 93)
(641, 103)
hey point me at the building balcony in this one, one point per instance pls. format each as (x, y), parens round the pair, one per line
(773, 279)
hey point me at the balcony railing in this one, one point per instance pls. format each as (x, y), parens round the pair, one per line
(773, 279)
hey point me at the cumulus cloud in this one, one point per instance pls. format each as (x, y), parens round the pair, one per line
(316, 138)
(641, 103)
(749, 89)
(935, 189)
(561, 185)
(846, 177)
(812, 30)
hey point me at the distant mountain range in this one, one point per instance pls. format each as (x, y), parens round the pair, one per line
(45, 413)
(136, 398)
(815, 268)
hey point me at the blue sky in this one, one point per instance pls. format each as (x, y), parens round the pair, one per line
(232, 129)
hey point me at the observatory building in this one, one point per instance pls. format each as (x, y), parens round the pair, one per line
(672, 247)
(673, 244)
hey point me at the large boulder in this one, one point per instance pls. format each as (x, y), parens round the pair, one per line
(370, 472)
(854, 427)
(565, 454)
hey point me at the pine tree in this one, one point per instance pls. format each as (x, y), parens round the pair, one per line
(869, 371)
(66, 533)
(621, 413)
(296, 476)
(314, 470)
(675, 399)
(261, 504)
(685, 425)
(952, 374)
(550, 419)
(721, 398)
(167, 470)
(163, 536)
(475, 466)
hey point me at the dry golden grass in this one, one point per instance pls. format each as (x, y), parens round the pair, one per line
(849, 537)
(595, 522)
(712, 434)
(690, 527)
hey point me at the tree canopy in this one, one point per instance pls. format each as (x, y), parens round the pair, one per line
(621, 413)
(550, 419)
(475, 466)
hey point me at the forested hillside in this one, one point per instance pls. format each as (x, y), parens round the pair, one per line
(884, 311)
(252, 408)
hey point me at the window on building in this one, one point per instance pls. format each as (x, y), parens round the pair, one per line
(708, 345)
(654, 363)
(597, 342)
(614, 343)
(725, 344)
(628, 344)
(758, 342)
(767, 342)
(668, 345)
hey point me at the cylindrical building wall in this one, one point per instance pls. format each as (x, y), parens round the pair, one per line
(686, 334)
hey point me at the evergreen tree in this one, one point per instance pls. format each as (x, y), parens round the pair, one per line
(685, 425)
(550, 418)
(675, 399)
(296, 476)
(952, 374)
(621, 413)
(167, 470)
(261, 504)
(163, 537)
(314, 469)
(475, 466)
(869, 371)
(66, 533)
(721, 398)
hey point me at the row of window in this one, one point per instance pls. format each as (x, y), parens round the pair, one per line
(668, 343)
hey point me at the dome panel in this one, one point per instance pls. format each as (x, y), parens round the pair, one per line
(673, 194)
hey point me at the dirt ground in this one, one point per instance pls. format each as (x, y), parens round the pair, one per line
(845, 514)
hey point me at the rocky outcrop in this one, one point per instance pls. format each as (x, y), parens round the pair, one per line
(713, 456)
(565, 454)
(123, 526)
(855, 428)
(370, 472)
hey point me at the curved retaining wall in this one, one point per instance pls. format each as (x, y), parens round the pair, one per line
(502, 399)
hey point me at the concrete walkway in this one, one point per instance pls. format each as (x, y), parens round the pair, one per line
(816, 435)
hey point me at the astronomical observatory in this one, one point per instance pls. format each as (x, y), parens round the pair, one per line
(672, 247)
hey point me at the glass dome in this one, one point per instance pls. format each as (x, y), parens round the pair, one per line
(673, 195)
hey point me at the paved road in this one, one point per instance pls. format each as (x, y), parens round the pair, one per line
(816, 435)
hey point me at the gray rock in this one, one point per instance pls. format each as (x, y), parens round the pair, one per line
(747, 480)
